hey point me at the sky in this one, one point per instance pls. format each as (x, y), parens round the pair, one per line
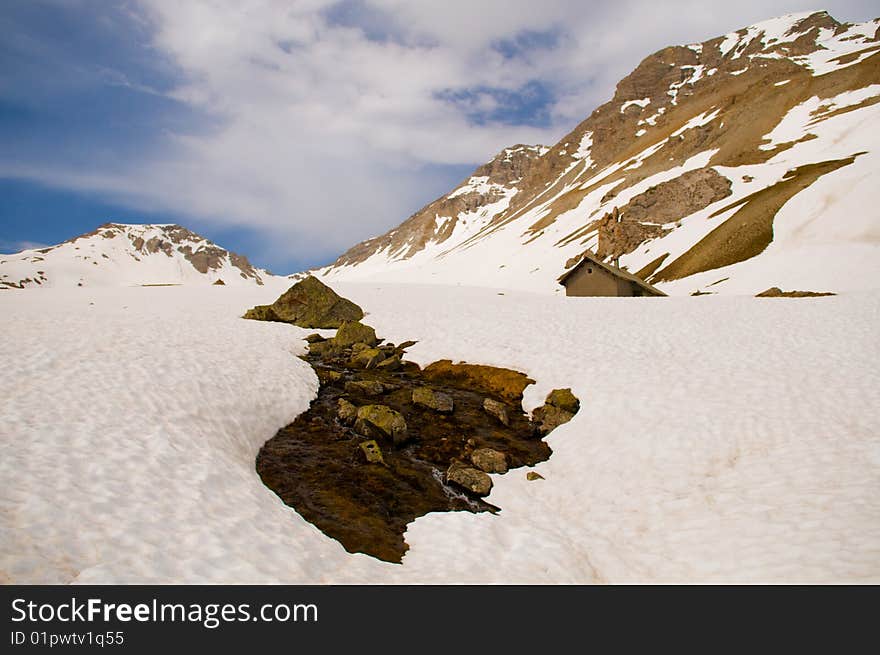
(288, 131)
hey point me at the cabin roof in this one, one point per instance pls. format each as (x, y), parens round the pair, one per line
(589, 257)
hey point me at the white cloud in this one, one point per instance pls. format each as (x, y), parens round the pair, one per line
(324, 136)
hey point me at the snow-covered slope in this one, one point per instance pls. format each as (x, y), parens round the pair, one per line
(711, 446)
(128, 255)
(748, 161)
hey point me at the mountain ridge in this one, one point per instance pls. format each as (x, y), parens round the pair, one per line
(694, 136)
(123, 254)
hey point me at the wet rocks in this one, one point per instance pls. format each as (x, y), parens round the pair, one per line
(372, 452)
(489, 460)
(328, 375)
(381, 420)
(474, 480)
(392, 363)
(309, 303)
(435, 400)
(347, 412)
(497, 409)
(365, 387)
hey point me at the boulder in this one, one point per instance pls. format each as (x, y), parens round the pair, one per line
(346, 412)
(497, 409)
(219, 283)
(314, 337)
(531, 476)
(372, 452)
(352, 332)
(381, 421)
(365, 387)
(564, 399)
(471, 479)
(489, 460)
(367, 358)
(436, 400)
(548, 417)
(309, 303)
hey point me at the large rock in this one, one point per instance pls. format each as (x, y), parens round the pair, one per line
(564, 399)
(352, 332)
(309, 303)
(489, 460)
(381, 421)
(436, 400)
(501, 382)
(497, 409)
(474, 480)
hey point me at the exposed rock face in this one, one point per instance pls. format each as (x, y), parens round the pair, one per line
(373, 419)
(489, 460)
(309, 303)
(435, 400)
(474, 480)
(645, 216)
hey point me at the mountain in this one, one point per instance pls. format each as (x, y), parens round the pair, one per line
(128, 255)
(728, 166)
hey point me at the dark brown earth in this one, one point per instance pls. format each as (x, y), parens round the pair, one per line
(318, 467)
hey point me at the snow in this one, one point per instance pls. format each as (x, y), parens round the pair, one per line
(721, 439)
(642, 103)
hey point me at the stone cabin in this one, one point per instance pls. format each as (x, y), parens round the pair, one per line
(590, 276)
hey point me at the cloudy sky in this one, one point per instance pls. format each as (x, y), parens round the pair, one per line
(289, 130)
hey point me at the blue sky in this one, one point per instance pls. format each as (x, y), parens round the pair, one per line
(288, 132)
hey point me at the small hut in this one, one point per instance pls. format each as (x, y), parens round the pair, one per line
(590, 276)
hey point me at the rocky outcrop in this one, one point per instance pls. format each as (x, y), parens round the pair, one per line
(309, 303)
(564, 399)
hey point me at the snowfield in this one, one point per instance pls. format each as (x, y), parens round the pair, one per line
(720, 439)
